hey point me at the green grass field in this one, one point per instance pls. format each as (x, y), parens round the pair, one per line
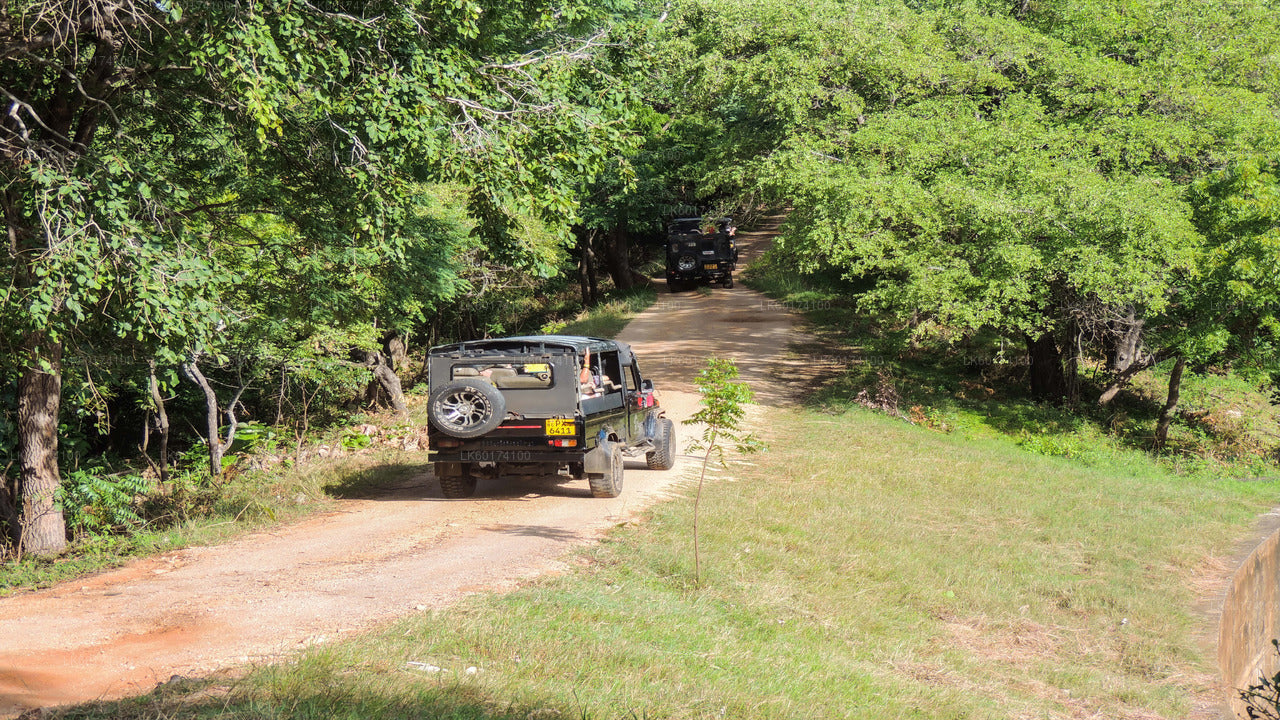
(861, 568)
(978, 557)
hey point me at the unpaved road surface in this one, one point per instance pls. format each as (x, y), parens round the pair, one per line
(204, 609)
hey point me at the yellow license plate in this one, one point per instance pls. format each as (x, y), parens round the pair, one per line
(558, 426)
(711, 266)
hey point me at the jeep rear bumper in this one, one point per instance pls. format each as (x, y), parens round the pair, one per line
(700, 274)
(509, 455)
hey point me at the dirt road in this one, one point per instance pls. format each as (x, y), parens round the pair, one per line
(262, 597)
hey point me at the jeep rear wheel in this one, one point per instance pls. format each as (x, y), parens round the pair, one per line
(663, 455)
(455, 482)
(609, 483)
(466, 408)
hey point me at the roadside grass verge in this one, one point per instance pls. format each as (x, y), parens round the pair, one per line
(861, 568)
(201, 513)
(607, 318)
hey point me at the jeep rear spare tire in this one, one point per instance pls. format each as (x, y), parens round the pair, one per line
(466, 408)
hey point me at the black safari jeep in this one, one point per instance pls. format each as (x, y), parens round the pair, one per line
(700, 250)
(541, 405)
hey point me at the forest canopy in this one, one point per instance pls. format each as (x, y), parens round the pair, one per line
(226, 205)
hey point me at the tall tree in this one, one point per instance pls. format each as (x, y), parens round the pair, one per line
(144, 143)
(1017, 167)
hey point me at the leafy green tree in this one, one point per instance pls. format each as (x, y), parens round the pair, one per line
(1016, 168)
(149, 147)
(1227, 312)
(721, 415)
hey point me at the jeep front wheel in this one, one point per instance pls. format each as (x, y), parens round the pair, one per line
(609, 483)
(663, 455)
(466, 408)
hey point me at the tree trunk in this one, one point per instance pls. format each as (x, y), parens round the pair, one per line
(42, 531)
(192, 371)
(1125, 341)
(587, 267)
(398, 353)
(1071, 365)
(617, 258)
(1048, 381)
(387, 380)
(1112, 390)
(161, 420)
(1170, 403)
(1119, 381)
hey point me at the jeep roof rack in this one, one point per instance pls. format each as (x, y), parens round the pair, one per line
(532, 345)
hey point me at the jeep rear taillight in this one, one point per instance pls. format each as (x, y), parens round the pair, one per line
(563, 442)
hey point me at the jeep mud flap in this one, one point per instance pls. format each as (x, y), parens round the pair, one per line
(597, 458)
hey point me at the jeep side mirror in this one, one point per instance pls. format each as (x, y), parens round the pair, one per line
(646, 386)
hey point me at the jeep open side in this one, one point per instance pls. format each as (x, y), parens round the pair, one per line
(543, 404)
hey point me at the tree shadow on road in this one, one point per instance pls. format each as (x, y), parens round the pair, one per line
(411, 480)
(386, 481)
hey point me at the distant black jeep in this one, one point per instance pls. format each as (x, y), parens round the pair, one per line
(542, 405)
(700, 250)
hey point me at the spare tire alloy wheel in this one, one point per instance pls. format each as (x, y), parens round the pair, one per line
(466, 408)
(686, 263)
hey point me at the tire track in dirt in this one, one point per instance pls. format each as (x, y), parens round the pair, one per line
(262, 597)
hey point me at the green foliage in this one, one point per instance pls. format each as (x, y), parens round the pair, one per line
(720, 414)
(974, 387)
(355, 440)
(266, 187)
(607, 318)
(984, 167)
(256, 437)
(97, 502)
(1054, 445)
(721, 411)
(1233, 311)
(8, 421)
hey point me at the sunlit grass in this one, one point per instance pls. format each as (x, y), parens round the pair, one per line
(609, 317)
(861, 568)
